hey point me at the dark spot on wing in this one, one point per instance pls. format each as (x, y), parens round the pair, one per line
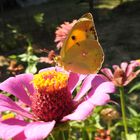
(92, 29)
(73, 37)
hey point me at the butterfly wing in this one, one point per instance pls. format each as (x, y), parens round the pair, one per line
(81, 30)
(85, 58)
(81, 40)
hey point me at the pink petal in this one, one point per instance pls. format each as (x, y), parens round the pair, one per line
(11, 127)
(38, 130)
(59, 45)
(137, 62)
(74, 80)
(100, 94)
(99, 100)
(19, 86)
(86, 85)
(6, 104)
(131, 77)
(81, 112)
(108, 73)
(0, 117)
(115, 67)
(20, 136)
(124, 66)
(46, 69)
(26, 80)
(131, 67)
(98, 80)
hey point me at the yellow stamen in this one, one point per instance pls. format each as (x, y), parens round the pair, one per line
(49, 81)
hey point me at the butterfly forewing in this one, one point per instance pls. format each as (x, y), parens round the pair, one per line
(83, 29)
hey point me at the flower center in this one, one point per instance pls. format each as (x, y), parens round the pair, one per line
(52, 99)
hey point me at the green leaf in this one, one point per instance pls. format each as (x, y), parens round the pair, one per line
(132, 136)
(39, 18)
(76, 124)
(33, 58)
(23, 57)
(132, 111)
(135, 87)
(85, 135)
(13, 56)
(31, 68)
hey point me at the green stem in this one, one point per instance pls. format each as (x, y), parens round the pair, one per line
(123, 110)
(52, 137)
(109, 125)
(63, 135)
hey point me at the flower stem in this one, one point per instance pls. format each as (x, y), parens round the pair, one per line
(52, 137)
(109, 125)
(121, 89)
(63, 135)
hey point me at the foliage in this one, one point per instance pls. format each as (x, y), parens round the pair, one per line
(29, 58)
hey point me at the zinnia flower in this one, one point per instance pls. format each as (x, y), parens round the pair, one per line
(122, 74)
(50, 97)
(62, 32)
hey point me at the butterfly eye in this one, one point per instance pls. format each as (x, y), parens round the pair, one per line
(73, 37)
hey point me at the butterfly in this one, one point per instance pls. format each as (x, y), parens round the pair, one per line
(81, 51)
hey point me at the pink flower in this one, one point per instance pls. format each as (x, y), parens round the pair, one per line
(49, 95)
(8, 114)
(62, 32)
(49, 59)
(122, 74)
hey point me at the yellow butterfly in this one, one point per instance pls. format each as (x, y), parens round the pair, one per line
(81, 51)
